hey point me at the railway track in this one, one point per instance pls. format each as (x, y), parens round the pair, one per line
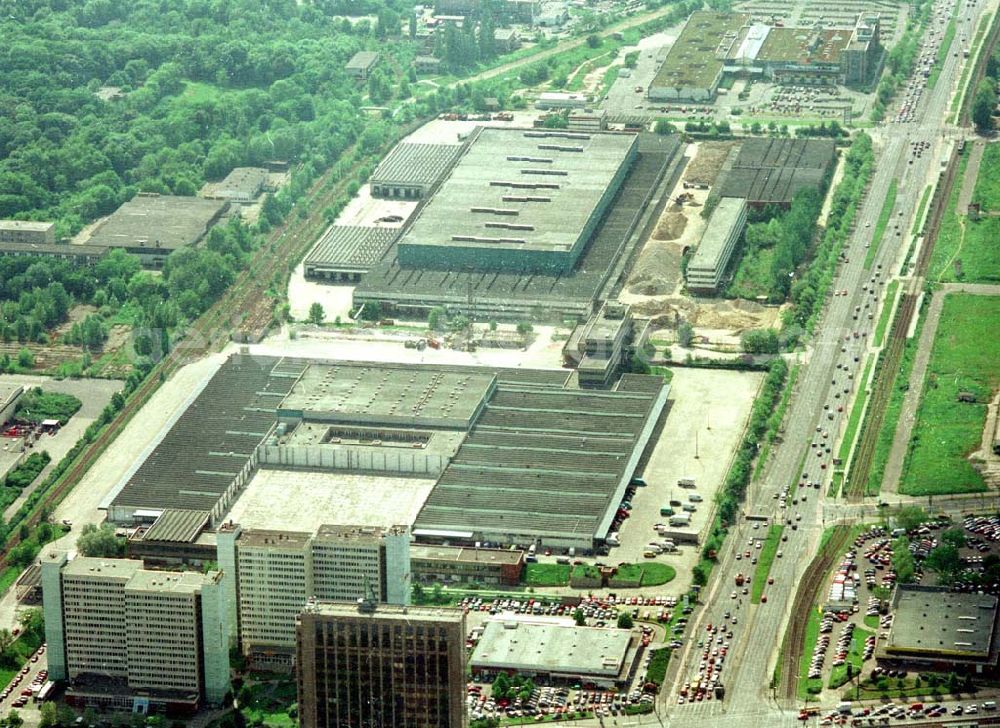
(885, 380)
(805, 598)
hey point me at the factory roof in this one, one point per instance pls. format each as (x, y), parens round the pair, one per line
(387, 280)
(758, 152)
(728, 214)
(931, 621)
(415, 164)
(362, 60)
(241, 183)
(304, 501)
(804, 45)
(521, 189)
(351, 247)
(158, 221)
(695, 60)
(773, 170)
(465, 555)
(552, 648)
(177, 525)
(32, 225)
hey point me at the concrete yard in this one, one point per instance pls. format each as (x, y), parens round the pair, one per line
(708, 411)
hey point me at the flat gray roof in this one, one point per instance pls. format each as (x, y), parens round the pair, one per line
(177, 525)
(730, 212)
(464, 555)
(930, 621)
(415, 164)
(349, 611)
(242, 181)
(521, 189)
(557, 648)
(32, 225)
(351, 247)
(362, 59)
(93, 566)
(158, 221)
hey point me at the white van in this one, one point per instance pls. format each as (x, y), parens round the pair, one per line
(695, 498)
(613, 539)
(689, 507)
(686, 483)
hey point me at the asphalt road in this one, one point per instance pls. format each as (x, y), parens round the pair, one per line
(757, 638)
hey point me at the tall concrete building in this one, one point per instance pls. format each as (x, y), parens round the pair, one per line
(279, 571)
(364, 664)
(124, 636)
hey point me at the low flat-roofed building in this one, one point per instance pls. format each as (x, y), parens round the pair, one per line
(560, 100)
(450, 564)
(771, 171)
(408, 663)
(361, 64)
(243, 185)
(693, 67)
(937, 629)
(410, 171)
(427, 64)
(519, 200)
(555, 652)
(85, 255)
(27, 231)
(708, 265)
(152, 226)
(507, 39)
(600, 348)
(125, 636)
(588, 119)
(346, 252)
(176, 537)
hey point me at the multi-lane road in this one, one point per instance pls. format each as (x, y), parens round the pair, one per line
(753, 651)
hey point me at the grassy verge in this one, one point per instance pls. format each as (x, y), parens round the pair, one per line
(918, 221)
(892, 411)
(767, 552)
(610, 76)
(872, 621)
(881, 224)
(883, 320)
(546, 574)
(950, 235)
(964, 359)
(774, 423)
(854, 421)
(658, 664)
(838, 676)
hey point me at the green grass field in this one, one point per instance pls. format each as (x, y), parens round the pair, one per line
(883, 222)
(655, 574)
(854, 421)
(546, 574)
(753, 275)
(764, 562)
(964, 359)
(987, 191)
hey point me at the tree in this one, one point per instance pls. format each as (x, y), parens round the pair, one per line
(316, 313)
(910, 517)
(435, 318)
(902, 561)
(625, 620)
(685, 334)
(48, 715)
(945, 561)
(983, 104)
(25, 359)
(579, 617)
(760, 341)
(500, 686)
(32, 621)
(593, 41)
(100, 541)
(6, 640)
(664, 127)
(524, 328)
(954, 537)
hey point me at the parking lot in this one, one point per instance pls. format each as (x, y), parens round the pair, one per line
(20, 692)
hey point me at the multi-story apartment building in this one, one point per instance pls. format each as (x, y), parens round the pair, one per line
(123, 636)
(278, 572)
(364, 664)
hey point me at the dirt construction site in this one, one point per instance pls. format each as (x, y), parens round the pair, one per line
(656, 286)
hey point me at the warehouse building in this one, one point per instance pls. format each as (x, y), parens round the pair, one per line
(505, 205)
(464, 454)
(692, 69)
(371, 665)
(554, 270)
(127, 637)
(936, 629)
(556, 653)
(463, 565)
(361, 64)
(82, 255)
(711, 258)
(152, 226)
(242, 186)
(27, 231)
(346, 252)
(771, 171)
(411, 171)
(279, 571)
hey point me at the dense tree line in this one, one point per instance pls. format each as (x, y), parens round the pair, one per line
(984, 103)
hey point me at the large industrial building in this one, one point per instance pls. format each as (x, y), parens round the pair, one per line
(936, 629)
(152, 226)
(551, 652)
(708, 265)
(544, 233)
(460, 454)
(367, 665)
(127, 637)
(771, 171)
(410, 171)
(519, 200)
(713, 45)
